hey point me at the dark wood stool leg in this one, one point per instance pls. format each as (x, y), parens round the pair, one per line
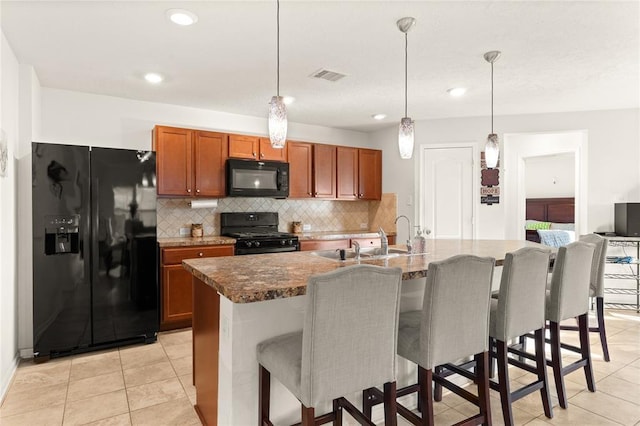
(523, 347)
(337, 412)
(308, 416)
(585, 349)
(556, 362)
(437, 390)
(390, 404)
(482, 369)
(601, 330)
(367, 404)
(264, 385)
(425, 395)
(503, 382)
(542, 373)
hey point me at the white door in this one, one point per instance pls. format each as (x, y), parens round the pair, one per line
(447, 192)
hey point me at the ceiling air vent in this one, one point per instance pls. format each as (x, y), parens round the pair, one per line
(327, 75)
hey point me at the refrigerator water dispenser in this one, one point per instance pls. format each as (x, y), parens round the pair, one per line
(61, 235)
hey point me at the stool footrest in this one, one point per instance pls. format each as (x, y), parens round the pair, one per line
(456, 389)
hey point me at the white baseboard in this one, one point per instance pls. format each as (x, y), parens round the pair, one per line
(26, 353)
(7, 377)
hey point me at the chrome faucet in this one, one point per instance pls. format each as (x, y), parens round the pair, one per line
(409, 246)
(356, 248)
(384, 242)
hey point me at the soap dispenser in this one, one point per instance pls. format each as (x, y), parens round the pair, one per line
(419, 242)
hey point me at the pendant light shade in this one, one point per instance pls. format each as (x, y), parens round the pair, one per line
(277, 122)
(405, 138)
(277, 108)
(492, 147)
(406, 130)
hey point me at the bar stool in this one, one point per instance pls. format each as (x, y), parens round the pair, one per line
(348, 344)
(453, 324)
(520, 308)
(596, 288)
(569, 298)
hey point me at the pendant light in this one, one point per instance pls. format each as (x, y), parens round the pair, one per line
(277, 108)
(492, 147)
(406, 130)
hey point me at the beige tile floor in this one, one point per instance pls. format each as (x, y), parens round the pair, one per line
(151, 385)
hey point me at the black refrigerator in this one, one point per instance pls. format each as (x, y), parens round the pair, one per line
(95, 257)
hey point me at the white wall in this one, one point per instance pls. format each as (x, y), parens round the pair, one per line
(550, 176)
(613, 146)
(85, 119)
(9, 71)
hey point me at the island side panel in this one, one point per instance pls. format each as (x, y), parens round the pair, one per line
(205, 328)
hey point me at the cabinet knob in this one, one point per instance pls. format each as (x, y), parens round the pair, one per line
(253, 153)
(197, 191)
(189, 190)
(200, 254)
(262, 155)
(308, 193)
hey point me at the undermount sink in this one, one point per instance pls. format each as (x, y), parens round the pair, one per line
(365, 253)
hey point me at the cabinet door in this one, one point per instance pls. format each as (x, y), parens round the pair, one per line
(300, 169)
(267, 152)
(369, 174)
(311, 245)
(176, 296)
(324, 171)
(209, 159)
(173, 160)
(347, 176)
(241, 146)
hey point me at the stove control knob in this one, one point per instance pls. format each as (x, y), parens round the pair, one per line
(249, 243)
(283, 242)
(290, 242)
(257, 243)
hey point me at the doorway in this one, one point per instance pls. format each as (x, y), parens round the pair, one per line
(518, 147)
(447, 178)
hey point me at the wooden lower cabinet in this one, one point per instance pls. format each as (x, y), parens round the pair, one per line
(176, 293)
(311, 245)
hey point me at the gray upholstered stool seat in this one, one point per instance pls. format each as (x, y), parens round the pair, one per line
(452, 325)
(520, 308)
(596, 288)
(348, 343)
(569, 298)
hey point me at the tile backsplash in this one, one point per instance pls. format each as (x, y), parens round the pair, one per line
(322, 215)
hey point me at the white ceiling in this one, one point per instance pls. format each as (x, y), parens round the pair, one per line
(557, 55)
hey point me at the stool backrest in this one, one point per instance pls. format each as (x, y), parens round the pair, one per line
(569, 295)
(455, 309)
(522, 293)
(599, 259)
(350, 332)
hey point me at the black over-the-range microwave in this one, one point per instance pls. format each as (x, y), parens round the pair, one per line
(249, 178)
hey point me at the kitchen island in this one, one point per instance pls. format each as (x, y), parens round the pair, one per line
(240, 301)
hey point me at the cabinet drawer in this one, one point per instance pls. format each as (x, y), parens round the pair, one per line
(366, 242)
(323, 245)
(171, 256)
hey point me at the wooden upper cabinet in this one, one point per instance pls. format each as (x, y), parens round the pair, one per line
(241, 146)
(209, 160)
(255, 148)
(347, 176)
(174, 153)
(324, 171)
(369, 174)
(190, 162)
(300, 156)
(268, 153)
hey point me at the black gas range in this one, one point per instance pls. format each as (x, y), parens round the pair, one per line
(257, 233)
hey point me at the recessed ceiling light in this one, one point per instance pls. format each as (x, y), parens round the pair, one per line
(153, 77)
(182, 17)
(288, 100)
(457, 91)
(379, 116)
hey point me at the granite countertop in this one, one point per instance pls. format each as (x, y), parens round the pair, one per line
(255, 278)
(210, 240)
(336, 235)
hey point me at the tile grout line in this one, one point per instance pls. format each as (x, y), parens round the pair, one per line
(66, 395)
(126, 394)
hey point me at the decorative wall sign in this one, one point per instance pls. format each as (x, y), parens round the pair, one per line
(489, 181)
(4, 154)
